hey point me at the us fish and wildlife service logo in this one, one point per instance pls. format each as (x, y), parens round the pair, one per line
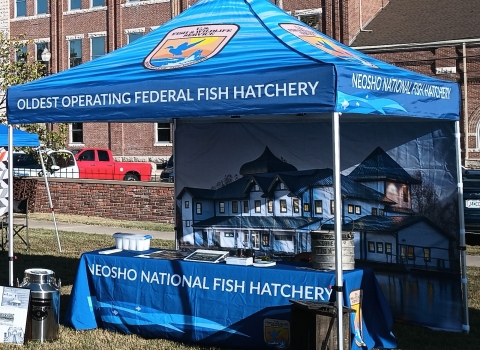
(276, 333)
(323, 43)
(185, 46)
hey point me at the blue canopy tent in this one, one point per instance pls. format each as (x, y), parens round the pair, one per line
(20, 138)
(12, 137)
(246, 59)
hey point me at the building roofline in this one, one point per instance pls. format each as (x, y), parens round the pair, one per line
(413, 46)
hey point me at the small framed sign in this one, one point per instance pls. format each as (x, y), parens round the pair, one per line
(209, 256)
(13, 314)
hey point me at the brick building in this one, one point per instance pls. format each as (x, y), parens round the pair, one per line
(438, 38)
(76, 31)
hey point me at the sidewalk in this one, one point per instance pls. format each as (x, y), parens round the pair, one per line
(48, 225)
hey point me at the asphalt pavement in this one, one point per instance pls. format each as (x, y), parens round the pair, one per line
(105, 230)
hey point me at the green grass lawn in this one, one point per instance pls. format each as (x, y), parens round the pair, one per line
(44, 253)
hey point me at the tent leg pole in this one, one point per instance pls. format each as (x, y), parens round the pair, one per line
(337, 225)
(462, 242)
(10, 206)
(50, 199)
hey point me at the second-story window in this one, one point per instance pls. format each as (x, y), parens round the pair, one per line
(221, 207)
(296, 206)
(42, 7)
(131, 37)
(21, 54)
(245, 206)
(39, 48)
(258, 206)
(163, 133)
(75, 52)
(96, 3)
(98, 46)
(283, 206)
(77, 132)
(234, 206)
(75, 4)
(270, 206)
(20, 8)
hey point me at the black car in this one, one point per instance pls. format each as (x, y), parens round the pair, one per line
(471, 200)
(167, 172)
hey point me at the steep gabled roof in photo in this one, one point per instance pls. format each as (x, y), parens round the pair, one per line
(224, 58)
(266, 163)
(380, 166)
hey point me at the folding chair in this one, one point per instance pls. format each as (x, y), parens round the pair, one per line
(20, 222)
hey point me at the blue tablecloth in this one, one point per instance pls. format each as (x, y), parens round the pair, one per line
(215, 304)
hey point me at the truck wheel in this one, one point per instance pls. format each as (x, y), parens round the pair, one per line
(131, 177)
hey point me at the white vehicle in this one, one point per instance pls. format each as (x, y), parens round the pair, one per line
(59, 163)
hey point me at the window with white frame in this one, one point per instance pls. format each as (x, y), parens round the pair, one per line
(131, 37)
(380, 247)
(97, 46)
(265, 240)
(388, 248)
(426, 254)
(296, 205)
(358, 210)
(163, 134)
(41, 7)
(255, 239)
(39, 48)
(306, 207)
(21, 54)
(199, 208)
(270, 206)
(283, 206)
(75, 52)
(76, 133)
(97, 3)
(258, 206)
(20, 8)
(221, 207)
(75, 4)
(311, 17)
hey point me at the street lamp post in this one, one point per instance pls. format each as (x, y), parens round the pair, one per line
(46, 56)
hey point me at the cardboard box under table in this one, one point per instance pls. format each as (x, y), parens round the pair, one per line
(212, 304)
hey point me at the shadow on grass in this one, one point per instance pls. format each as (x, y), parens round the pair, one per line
(64, 268)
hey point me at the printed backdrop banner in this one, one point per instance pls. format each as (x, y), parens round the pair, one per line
(266, 185)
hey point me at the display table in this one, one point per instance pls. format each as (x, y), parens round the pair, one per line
(215, 304)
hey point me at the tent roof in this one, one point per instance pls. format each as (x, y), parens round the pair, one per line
(20, 138)
(224, 58)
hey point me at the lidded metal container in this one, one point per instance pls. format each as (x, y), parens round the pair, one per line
(45, 303)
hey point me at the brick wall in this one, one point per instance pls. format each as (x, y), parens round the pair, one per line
(133, 201)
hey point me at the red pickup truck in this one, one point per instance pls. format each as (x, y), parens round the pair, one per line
(98, 163)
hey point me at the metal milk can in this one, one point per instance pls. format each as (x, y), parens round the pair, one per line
(44, 302)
